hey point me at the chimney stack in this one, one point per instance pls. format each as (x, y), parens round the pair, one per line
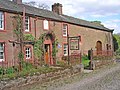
(18, 1)
(57, 8)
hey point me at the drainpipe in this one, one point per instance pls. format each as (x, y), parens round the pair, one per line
(35, 27)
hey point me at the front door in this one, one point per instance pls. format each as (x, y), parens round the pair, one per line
(47, 53)
(99, 47)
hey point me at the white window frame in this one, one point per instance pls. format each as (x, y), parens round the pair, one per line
(46, 24)
(65, 49)
(28, 52)
(2, 51)
(27, 24)
(1, 20)
(65, 27)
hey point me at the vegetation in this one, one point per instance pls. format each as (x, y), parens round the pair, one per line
(97, 23)
(117, 45)
(38, 5)
(54, 50)
(28, 69)
(38, 48)
(28, 37)
(85, 61)
(19, 35)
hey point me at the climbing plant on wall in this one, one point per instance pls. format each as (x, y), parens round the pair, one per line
(38, 44)
(38, 47)
(19, 35)
(54, 50)
(29, 37)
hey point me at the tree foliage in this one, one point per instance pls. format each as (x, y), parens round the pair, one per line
(97, 23)
(38, 5)
(116, 40)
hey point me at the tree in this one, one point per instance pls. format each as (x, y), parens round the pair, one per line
(116, 40)
(97, 23)
(115, 43)
(38, 5)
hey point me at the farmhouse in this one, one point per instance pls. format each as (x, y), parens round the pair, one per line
(52, 28)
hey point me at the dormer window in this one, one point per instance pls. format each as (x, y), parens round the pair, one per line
(46, 24)
(65, 27)
(27, 24)
(1, 20)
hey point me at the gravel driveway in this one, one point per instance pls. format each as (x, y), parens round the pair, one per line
(106, 78)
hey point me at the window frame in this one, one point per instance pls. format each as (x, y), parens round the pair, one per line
(65, 49)
(44, 24)
(3, 51)
(65, 30)
(2, 20)
(28, 54)
(27, 24)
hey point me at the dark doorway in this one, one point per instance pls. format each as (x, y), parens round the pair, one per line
(99, 47)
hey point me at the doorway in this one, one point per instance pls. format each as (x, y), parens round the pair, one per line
(47, 53)
(99, 47)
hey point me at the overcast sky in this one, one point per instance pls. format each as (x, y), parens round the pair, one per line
(106, 11)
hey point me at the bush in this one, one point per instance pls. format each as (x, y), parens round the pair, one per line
(85, 61)
(85, 57)
(61, 63)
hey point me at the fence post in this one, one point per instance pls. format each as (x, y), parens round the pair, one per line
(91, 59)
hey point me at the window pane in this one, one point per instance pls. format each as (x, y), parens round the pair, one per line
(46, 24)
(64, 30)
(28, 53)
(26, 23)
(1, 46)
(1, 57)
(1, 51)
(1, 20)
(65, 49)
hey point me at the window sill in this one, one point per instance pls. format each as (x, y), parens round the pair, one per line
(28, 58)
(2, 30)
(27, 32)
(65, 36)
(2, 60)
(46, 29)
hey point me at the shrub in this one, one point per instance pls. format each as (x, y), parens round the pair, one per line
(85, 61)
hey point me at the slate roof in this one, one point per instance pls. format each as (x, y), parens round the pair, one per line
(18, 8)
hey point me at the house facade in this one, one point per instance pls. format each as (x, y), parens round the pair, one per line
(55, 25)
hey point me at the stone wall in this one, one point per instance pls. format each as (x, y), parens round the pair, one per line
(99, 63)
(19, 83)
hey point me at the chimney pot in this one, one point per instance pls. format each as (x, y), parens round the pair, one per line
(57, 8)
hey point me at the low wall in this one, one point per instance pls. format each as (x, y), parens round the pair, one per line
(17, 84)
(98, 63)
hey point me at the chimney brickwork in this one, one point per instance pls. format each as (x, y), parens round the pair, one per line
(18, 1)
(57, 8)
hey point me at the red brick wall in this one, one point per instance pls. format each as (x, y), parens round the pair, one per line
(89, 36)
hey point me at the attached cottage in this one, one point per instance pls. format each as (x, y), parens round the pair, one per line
(54, 26)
